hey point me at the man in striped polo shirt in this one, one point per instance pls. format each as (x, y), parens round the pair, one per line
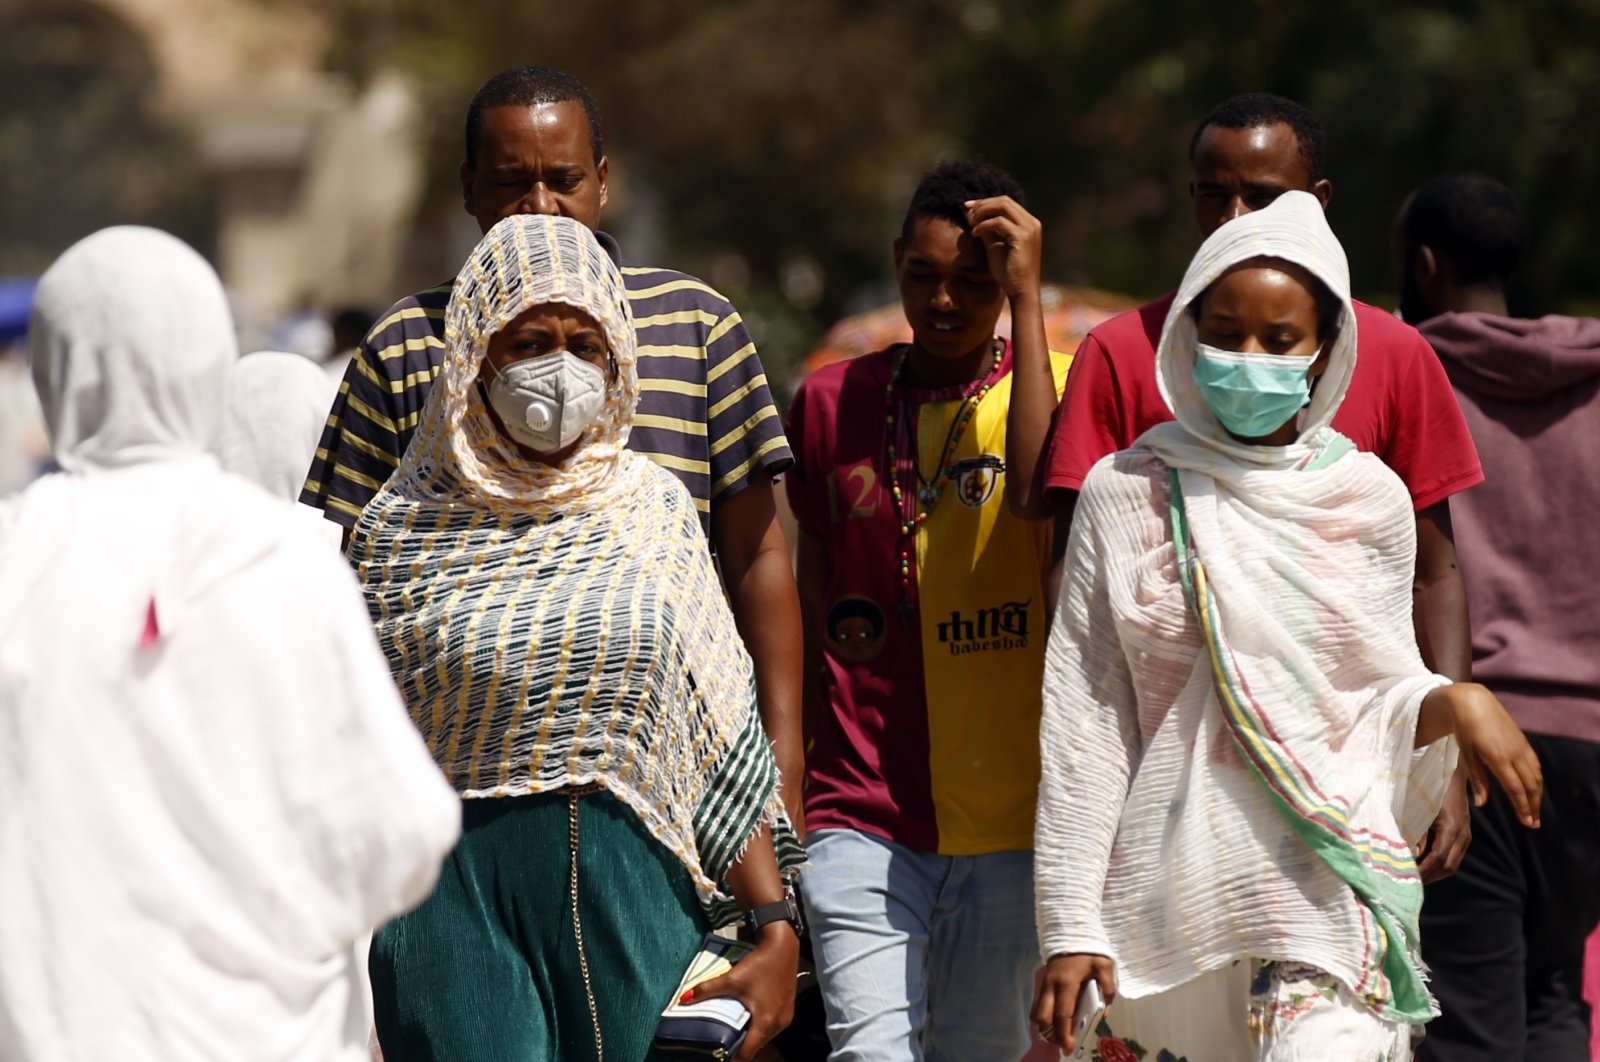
(534, 146)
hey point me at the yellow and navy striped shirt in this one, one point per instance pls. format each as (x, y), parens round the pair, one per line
(705, 412)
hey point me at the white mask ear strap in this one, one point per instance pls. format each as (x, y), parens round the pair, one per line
(485, 363)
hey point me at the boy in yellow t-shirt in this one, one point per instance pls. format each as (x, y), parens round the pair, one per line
(925, 632)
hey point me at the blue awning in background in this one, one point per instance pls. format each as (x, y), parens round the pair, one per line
(16, 299)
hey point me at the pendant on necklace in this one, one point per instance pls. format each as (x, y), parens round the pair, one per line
(928, 495)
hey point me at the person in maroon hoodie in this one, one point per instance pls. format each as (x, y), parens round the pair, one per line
(1505, 935)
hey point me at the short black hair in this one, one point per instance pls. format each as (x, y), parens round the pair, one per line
(529, 86)
(350, 326)
(354, 319)
(1471, 219)
(1256, 110)
(945, 190)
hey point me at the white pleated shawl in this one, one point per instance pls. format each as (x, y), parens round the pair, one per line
(1168, 835)
(561, 625)
(208, 787)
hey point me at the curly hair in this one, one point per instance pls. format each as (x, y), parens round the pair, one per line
(945, 190)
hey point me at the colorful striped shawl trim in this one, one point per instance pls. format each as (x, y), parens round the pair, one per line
(1382, 872)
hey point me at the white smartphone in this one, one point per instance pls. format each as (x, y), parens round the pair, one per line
(1086, 1017)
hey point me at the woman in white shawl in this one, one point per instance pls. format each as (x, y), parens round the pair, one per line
(549, 609)
(1239, 736)
(210, 789)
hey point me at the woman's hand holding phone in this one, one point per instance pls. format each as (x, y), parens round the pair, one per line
(1057, 1003)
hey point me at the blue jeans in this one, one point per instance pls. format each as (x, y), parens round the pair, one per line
(921, 957)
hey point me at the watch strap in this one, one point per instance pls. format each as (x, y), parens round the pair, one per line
(783, 910)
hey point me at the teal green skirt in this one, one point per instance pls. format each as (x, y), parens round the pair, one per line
(488, 968)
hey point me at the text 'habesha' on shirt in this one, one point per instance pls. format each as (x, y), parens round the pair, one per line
(927, 730)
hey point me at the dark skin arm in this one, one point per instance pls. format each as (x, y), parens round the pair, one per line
(754, 555)
(1439, 599)
(1056, 1000)
(1491, 744)
(764, 980)
(1013, 239)
(812, 572)
(1439, 610)
(1063, 505)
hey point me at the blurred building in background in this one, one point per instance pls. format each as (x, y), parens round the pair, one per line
(218, 120)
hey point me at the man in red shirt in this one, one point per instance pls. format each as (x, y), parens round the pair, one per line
(1244, 154)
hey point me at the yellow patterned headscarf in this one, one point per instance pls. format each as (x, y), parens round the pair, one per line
(458, 454)
(557, 626)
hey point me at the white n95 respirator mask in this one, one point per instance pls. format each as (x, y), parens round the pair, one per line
(545, 402)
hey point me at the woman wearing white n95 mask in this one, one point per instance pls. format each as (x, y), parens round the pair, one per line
(546, 376)
(547, 602)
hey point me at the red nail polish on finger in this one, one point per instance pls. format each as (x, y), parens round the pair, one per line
(687, 997)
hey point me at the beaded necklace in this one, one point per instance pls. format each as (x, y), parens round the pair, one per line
(930, 490)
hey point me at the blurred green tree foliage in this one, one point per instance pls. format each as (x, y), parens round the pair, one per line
(81, 149)
(779, 141)
(1404, 90)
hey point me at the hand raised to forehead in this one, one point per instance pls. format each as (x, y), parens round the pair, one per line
(1013, 240)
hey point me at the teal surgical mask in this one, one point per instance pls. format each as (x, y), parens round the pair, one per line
(1252, 394)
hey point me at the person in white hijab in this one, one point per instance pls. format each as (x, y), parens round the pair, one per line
(209, 789)
(277, 405)
(1240, 742)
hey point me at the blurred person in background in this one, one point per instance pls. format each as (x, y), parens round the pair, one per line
(1505, 935)
(211, 790)
(350, 326)
(1244, 154)
(924, 604)
(23, 446)
(1240, 739)
(306, 331)
(276, 408)
(551, 613)
(534, 146)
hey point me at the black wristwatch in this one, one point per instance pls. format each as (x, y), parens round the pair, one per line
(786, 909)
